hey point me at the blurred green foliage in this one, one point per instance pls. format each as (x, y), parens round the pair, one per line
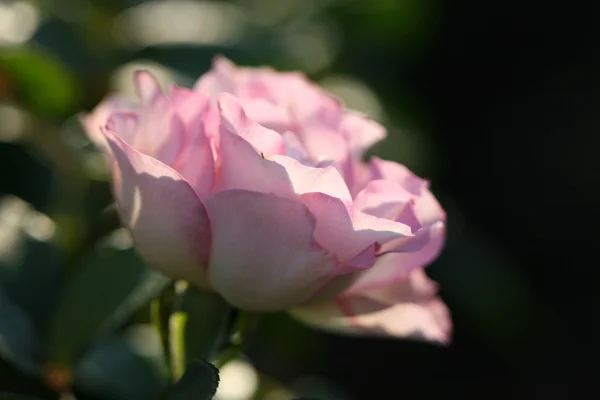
(42, 83)
(132, 285)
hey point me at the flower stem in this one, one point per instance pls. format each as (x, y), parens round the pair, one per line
(177, 322)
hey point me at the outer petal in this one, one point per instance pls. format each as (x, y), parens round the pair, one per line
(168, 222)
(415, 287)
(124, 124)
(160, 132)
(347, 232)
(427, 207)
(241, 167)
(161, 135)
(394, 267)
(95, 121)
(155, 132)
(420, 315)
(265, 258)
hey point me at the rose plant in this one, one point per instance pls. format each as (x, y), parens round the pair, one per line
(253, 185)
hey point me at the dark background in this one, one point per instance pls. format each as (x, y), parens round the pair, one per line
(501, 101)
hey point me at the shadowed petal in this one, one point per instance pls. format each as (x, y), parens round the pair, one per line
(419, 315)
(168, 222)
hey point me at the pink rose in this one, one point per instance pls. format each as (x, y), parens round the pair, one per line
(252, 185)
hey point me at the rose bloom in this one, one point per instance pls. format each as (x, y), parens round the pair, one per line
(252, 184)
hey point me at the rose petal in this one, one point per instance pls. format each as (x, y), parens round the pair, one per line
(196, 162)
(160, 135)
(427, 208)
(187, 103)
(270, 115)
(393, 267)
(95, 121)
(317, 118)
(219, 79)
(170, 150)
(392, 171)
(168, 222)
(383, 199)
(124, 124)
(234, 120)
(346, 231)
(419, 317)
(241, 167)
(323, 143)
(309, 104)
(414, 287)
(360, 132)
(265, 258)
(359, 176)
(147, 87)
(294, 148)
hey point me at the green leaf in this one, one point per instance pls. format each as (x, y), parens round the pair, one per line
(130, 366)
(106, 290)
(199, 382)
(18, 340)
(43, 83)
